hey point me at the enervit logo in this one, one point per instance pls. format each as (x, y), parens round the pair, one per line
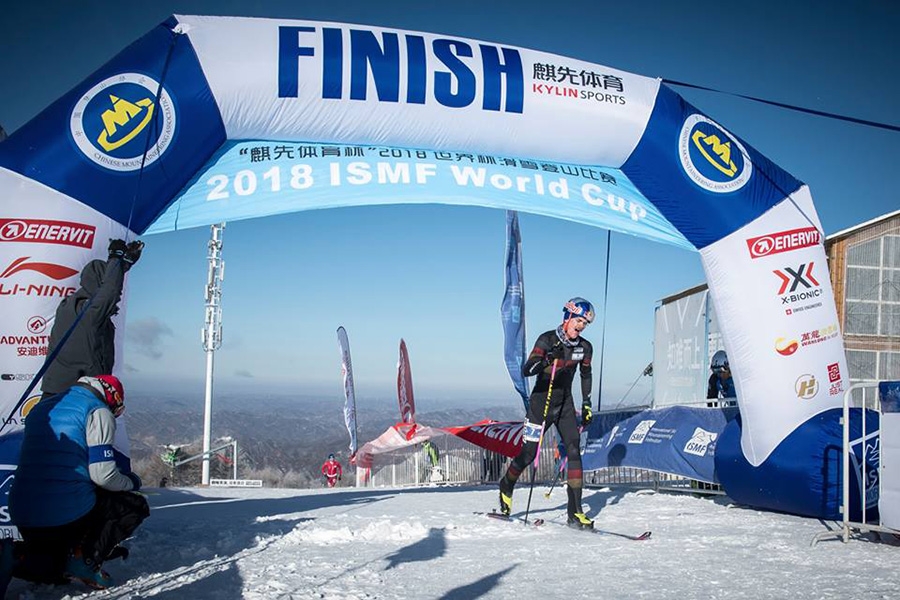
(42, 231)
(700, 441)
(806, 386)
(58, 272)
(712, 157)
(115, 121)
(785, 347)
(783, 241)
(640, 432)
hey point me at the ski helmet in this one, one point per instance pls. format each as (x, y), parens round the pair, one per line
(578, 307)
(331, 457)
(719, 361)
(113, 393)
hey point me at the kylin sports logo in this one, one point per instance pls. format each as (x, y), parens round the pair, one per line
(119, 119)
(711, 157)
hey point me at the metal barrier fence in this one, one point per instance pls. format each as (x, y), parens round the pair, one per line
(463, 463)
(849, 461)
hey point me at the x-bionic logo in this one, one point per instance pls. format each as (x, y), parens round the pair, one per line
(792, 279)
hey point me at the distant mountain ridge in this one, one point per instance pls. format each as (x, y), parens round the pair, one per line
(275, 431)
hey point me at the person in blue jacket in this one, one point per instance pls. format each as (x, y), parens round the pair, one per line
(70, 501)
(720, 386)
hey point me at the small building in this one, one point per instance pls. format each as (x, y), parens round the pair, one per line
(864, 266)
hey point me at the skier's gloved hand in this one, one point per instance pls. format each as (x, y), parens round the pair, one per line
(587, 414)
(554, 353)
(117, 248)
(133, 251)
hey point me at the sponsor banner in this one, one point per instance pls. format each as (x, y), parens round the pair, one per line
(396, 437)
(45, 241)
(512, 309)
(417, 90)
(675, 439)
(775, 309)
(259, 178)
(889, 502)
(680, 355)
(405, 387)
(254, 483)
(501, 437)
(349, 392)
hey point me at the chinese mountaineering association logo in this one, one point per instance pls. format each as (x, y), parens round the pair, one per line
(119, 119)
(712, 157)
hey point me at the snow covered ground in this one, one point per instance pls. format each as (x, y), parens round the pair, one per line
(426, 543)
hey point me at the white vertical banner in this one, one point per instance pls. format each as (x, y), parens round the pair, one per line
(349, 392)
(775, 309)
(680, 361)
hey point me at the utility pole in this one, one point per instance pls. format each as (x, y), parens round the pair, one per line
(212, 330)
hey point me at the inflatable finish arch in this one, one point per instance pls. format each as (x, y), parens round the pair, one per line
(207, 119)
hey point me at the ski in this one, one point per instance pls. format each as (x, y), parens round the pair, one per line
(501, 517)
(635, 538)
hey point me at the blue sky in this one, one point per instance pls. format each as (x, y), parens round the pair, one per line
(433, 274)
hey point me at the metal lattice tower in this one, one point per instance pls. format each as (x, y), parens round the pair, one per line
(212, 330)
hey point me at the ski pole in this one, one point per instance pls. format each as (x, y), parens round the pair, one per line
(541, 438)
(559, 472)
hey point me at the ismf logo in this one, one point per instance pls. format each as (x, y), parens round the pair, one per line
(806, 386)
(640, 432)
(118, 119)
(786, 347)
(783, 241)
(700, 441)
(43, 231)
(712, 157)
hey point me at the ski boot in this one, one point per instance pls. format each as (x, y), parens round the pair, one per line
(580, 521)
(88, 572)
(505, 497)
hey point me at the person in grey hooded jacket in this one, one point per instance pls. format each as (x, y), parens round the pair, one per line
(90, 349)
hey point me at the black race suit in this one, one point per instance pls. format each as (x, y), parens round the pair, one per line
(576, 356)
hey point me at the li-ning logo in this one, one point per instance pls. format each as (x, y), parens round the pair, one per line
(712, 157)
(118, 119)
(700, 441)
(58, 272)
(783, 241)
(806, 387)
(640, 432)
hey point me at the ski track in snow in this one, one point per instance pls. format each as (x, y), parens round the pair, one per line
(389, 543)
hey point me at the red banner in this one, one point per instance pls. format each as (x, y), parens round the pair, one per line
(502, 437)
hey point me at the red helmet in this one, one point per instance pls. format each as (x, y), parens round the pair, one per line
(113, 393)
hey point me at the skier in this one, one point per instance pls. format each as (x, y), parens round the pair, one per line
(556, 355)
(721, 384)
(332, 471)
(69, 499)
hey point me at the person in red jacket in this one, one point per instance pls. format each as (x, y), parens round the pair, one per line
(332, 471)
